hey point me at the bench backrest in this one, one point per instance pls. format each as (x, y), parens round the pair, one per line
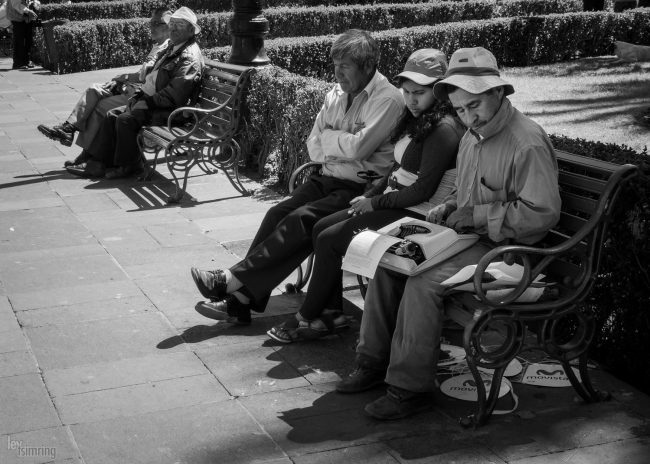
(589, 188)
(220, 83)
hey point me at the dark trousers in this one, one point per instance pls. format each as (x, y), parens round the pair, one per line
(284, 238)
(23, 35)
(331, 238)
(116, 144)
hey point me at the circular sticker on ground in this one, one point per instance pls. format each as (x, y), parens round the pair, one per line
(450, 354)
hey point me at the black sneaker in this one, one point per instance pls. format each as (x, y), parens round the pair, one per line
(361, 379)
(398, 403)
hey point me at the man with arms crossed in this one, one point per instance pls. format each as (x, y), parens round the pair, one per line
(350, 135)
(506, 190)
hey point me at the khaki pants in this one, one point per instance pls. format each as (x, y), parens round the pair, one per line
(402, 320)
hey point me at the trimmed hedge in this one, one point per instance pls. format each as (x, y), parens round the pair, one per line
(283, 22)
(120, 9)
(314, 20)
(196, 5)
(519, 41)
(283, 107)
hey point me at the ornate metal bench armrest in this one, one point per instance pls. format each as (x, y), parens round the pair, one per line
(295, 175)
(197, 115)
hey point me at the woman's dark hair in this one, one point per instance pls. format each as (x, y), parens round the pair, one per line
(419, 128)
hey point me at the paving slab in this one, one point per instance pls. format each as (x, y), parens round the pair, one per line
(68, 271)
(246, 369)
(202, 434)
(25, 405)
(86, 311)
(62, 346)
(634, 451)
(17, 363)
(121, 373)
(69, 295)
(135, 400)
(376, 453)
(50, 445)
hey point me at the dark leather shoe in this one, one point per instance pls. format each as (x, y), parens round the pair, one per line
(63, 133)
(90, 168)
(211, 284)
(83, 157)
(361, 379)
(230, 309)
(125, 171)
(398, 403)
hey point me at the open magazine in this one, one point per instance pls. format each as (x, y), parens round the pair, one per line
(408, 246)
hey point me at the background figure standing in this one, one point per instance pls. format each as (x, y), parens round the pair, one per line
(22, 14)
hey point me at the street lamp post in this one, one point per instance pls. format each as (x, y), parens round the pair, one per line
(248, 28)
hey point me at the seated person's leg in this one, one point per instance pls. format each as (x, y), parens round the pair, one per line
(331, 237)
(127, 155)
(64, 133)
(416, 339)
(377, 326)
(94, 120)
(100, 154)
(285, 246)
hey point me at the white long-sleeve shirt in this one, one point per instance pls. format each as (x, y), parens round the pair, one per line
(356, 139)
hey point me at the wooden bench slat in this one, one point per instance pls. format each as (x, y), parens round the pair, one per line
(574, 203)
(582, 182)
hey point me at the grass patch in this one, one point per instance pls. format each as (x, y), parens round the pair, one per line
(601, 99)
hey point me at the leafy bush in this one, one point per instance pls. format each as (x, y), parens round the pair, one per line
(283, 22)
(519, 41)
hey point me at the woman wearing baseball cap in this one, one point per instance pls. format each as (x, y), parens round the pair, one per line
(426, 141)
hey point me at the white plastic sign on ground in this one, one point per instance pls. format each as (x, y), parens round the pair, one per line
(463, 387)
(547, 375)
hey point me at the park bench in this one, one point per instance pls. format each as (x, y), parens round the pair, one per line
(209, 138)
(568, 257)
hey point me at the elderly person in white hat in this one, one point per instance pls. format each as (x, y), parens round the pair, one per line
(169, 83)
(506, 190)
(90, 110)
(426, 141)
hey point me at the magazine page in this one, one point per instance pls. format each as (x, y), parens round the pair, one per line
(365, 251)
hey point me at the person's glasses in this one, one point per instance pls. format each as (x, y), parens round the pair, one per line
(157, 23)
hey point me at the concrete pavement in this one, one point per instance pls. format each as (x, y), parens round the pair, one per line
(104, 360)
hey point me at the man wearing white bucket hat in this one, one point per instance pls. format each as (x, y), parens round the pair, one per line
(506, 190)
(169, 83)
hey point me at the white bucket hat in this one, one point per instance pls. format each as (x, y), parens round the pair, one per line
(474, 70)
(425, 66)
(189, 16)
